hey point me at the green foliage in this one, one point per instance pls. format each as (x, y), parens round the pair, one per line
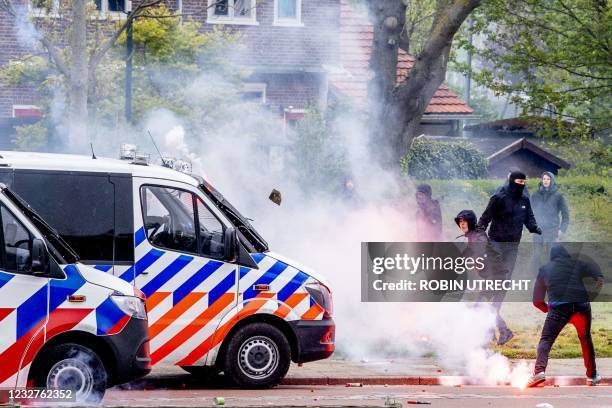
(318, 153)
(552, 57)
(587, 155)
(430, 159)
(419, 18)
(31, 137)
(28, 70)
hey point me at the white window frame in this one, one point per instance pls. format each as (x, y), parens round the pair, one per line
(104, 13)
(230, 18)
(289, 22)
(17, 107)
(256, 87)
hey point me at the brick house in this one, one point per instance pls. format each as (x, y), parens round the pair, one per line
(300, 52)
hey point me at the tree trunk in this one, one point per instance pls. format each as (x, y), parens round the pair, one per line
(397, 110)
(388, 19)
(78, 80)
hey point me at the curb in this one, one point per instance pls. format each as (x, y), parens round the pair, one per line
(425, 380)
(186, 382)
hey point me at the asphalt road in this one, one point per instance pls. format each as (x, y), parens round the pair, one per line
(341, 396)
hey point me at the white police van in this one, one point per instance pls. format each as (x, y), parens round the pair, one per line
(217, 298)
(64, 326)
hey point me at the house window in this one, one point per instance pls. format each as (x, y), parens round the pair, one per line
(288, 12)
(254, 92)
(113, 6)
(232, 12)
(26, 111)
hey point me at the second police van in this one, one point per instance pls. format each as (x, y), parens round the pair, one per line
(217, 298)
(65, 328)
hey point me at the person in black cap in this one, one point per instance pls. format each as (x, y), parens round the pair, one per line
(428, 215)
(508, 210)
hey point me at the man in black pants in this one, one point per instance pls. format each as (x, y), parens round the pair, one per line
(508, 210)
(568, 302)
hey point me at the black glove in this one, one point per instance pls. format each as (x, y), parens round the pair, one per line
(538, 231)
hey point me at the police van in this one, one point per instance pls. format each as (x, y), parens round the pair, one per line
(63, 325)
(217, 298)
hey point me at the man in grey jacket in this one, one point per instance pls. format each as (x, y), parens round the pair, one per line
(552, 215)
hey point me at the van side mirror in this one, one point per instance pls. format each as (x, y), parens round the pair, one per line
(39, 256)
(230, 245)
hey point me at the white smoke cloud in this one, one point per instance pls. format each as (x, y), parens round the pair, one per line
(232, 149)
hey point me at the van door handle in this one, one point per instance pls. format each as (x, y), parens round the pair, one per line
(261, 287)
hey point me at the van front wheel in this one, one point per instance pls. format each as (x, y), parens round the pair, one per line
(73, 367)
(257, 356)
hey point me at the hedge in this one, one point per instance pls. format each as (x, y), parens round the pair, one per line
(427, 159)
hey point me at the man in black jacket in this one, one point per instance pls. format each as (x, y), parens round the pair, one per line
(568, 302)
(508, 210)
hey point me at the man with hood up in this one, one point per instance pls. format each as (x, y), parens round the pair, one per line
(568, 302)
(508, 210)
(547, 205)
(480, 246)
(428, 215)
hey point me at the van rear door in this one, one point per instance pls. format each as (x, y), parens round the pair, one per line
(180, 267)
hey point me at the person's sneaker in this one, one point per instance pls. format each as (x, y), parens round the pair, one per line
(504, 337)
(594, 381)
(536, 380)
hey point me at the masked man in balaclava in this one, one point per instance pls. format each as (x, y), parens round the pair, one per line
(508, 210)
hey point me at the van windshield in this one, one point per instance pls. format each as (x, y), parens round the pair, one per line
(252, 239)
(60, 250)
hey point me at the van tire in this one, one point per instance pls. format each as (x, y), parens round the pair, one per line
(257, 346)
(73, 362)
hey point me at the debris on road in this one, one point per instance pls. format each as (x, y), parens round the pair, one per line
(219, 401)
(392, 403)
(417, 402)
(544, 405)
(354, 384)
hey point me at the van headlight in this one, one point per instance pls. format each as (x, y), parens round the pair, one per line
(321, 295)
(131, 306)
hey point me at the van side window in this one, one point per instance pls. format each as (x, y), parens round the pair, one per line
(211, 232)
(17, 243)
(91, 211)
(169, 218)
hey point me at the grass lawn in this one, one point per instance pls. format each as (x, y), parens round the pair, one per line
(526, 321)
